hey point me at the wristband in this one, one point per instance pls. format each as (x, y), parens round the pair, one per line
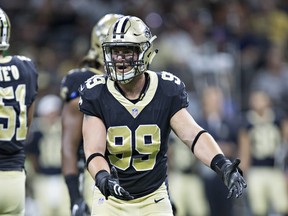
(92, 156)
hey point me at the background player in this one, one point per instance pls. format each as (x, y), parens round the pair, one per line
(72, 150)
(43, 149)
(18, 90)
(133, 111)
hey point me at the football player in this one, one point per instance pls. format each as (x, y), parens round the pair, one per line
(18, 90)
(72, 150)
(43, 155)
(128, 115)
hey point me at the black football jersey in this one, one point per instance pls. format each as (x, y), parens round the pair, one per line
(18, 89)
(137, 134)
(69, 91)
(72, 81)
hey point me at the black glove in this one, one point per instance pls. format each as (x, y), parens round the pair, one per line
(108, 184)
(230, 173)
(80, 208)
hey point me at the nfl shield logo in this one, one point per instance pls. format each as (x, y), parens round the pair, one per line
(134, 112)
(101, 200)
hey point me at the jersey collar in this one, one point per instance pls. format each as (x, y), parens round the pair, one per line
(135, 109)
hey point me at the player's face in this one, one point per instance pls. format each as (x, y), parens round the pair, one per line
(124, 58)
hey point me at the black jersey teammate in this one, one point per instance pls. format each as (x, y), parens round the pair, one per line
(18, 90)
(133, 111)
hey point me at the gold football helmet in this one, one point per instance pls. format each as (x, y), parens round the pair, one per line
(5, 28)
(132, 33)
(97, 36)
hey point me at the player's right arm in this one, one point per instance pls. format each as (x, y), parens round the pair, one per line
(106, 180)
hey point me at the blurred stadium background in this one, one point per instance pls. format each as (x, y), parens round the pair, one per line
(236, 45)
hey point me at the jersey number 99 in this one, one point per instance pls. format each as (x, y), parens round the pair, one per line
(147, 144)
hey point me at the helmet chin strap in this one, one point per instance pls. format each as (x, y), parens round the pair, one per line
(155, 51)
(152, 56)
(152, 39)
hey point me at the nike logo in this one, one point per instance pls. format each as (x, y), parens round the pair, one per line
(156, 201)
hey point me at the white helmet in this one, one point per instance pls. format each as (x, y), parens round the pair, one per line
(98, 34)
(5, 28)
(131, 32)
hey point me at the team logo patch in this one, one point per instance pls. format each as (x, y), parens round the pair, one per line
(134, 112)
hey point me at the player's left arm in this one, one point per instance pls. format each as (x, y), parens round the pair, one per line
(208, 151)
(186, 128)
